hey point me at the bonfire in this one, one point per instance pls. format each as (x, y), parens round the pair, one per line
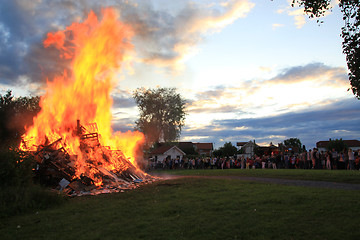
(72, 138)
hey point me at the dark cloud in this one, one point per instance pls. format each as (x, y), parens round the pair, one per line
(162, 37)
(123, 100)
(43, 64)
(337, 120)
(25, 24)
(212, 94)
(123, 125)
(14, 28)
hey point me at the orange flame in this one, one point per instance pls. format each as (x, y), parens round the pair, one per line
(97, 49)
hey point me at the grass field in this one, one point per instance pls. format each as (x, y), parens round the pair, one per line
(196, 208)
(343, 176)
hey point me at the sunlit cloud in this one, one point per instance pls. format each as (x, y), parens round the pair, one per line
(280, 94)
(311, 72)
(194, 138)
(277, 25)
(174, 38)
(298, 14)
(241, 128)
(299, 17)
(162, 38)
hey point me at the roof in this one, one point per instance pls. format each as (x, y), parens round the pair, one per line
(164, 149)
(204, 146)
(348, 143)
(185, 145)
(161, 149)
(240, 144)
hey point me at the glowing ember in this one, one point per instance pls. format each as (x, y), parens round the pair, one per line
(97, 49)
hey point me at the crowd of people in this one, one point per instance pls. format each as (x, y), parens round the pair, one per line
(312, 159)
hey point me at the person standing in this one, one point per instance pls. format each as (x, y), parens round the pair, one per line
(323, 160)
(263, 163)
(341, 162)
(335, 158)
(303, 160)
(313, 158)
(328, 160)
(247, 163)
(351, 159)
(286, 159)
(308, 159)
(357, 160)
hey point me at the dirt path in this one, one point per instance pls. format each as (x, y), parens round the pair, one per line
(291, 182)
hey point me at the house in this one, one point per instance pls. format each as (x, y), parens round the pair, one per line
(187, 147)
(171, 152)
(247, 148)
(204, 148)
(239, 145)
(273, 149)
(352, 144)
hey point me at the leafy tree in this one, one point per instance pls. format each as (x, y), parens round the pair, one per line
(217, 153)
(293, 143)
(227, 150)
(162, 113)
(350, 33)
(258, 150)
(15, 114)
(337, 144)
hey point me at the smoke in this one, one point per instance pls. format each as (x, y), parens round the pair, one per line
(165, 34)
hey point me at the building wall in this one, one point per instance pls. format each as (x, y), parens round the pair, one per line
(173, 153)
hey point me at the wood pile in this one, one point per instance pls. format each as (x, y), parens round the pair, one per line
(55, 167)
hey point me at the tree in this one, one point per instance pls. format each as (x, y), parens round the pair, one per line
(293, 143)
(337, 144)
(15, 114)
(162, 113)
(350, 33)
(227, 150)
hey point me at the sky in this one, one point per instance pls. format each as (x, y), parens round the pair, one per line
(249, 69)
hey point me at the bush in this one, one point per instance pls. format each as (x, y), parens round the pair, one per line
(18, 192)
(15, 168)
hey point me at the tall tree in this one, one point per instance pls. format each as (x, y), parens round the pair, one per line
(337, 144)
(225, 151)
(15, 114)
(350, 33)
(162, 113)
(293, 143)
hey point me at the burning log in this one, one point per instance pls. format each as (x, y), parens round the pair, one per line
(57, 168)
(62, 146)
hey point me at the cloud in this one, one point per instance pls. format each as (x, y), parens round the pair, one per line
(310, 72)
(292, 89)
(168, 39)
(277, 25)
(298, 13)
(123, 124)
(163, 38)
(221, 99)
(336, 120)
(123, 99)
(299, 17)
(200, 108)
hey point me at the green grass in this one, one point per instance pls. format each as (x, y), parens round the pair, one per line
(21, 199)
(195, 208)
(342, 176)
